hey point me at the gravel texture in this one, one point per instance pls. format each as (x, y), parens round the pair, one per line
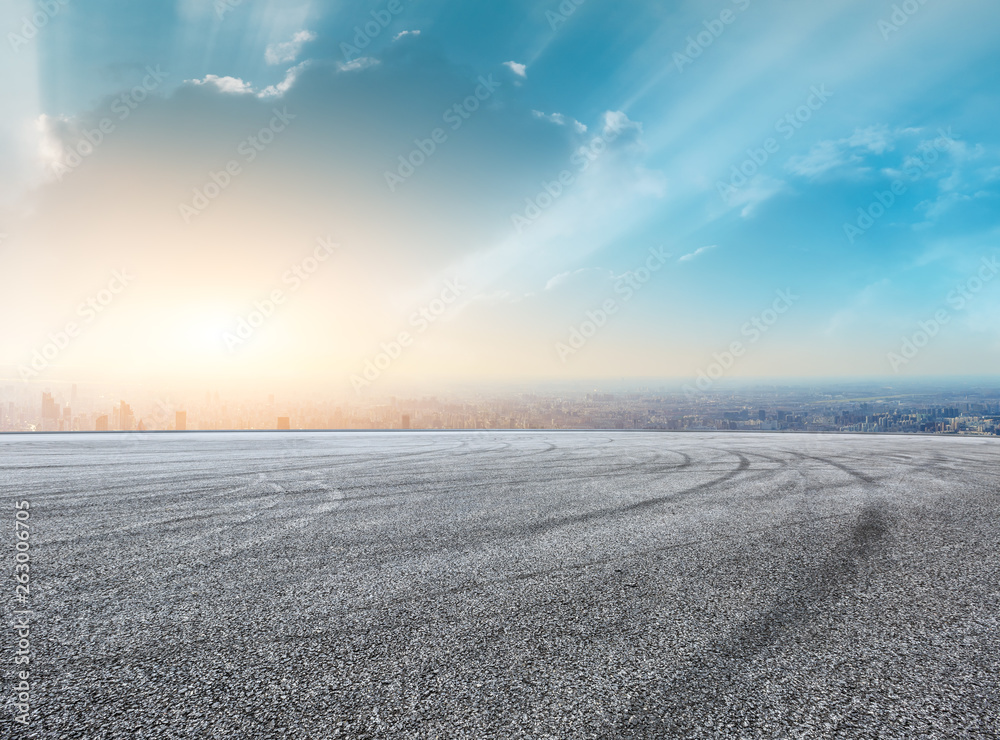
(507, 585)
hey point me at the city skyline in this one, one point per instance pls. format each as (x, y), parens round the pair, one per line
(337, 199)
(922, 407)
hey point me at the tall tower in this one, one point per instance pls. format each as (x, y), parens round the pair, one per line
(126, 418)
(50, 413)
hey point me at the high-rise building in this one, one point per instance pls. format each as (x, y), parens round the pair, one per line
(50, 413)
(126, 417)
(102, 423)
(180, 421)
(406, 421)
(284, 422)
(49, 408)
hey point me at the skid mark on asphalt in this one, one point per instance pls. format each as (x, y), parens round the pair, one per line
(812, 590)
(839, 465)
(538, 528)
(481, 585)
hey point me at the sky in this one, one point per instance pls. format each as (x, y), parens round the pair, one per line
(337, 195)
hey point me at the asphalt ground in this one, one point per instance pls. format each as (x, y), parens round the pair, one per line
(505, 585)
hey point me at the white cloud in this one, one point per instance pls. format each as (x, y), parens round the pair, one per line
(936, 208)
(560, 120)
(51, 132)
(695, 253)
(832, 154)
(823, 157)
(232, 85)
(288, 51)
(276, 91)
(616, 122)
(401, 34)
(958, 149)
(875, 139)
(556, 280)
(236, 86)
(755, 192)
(520, 70)
(357, 64)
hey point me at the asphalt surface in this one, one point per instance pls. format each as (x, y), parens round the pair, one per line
(506, 585)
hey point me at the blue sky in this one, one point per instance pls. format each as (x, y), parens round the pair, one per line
(646, 110)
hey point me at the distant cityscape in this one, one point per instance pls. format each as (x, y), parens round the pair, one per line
(915, 410)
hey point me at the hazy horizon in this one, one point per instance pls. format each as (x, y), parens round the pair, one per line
(458, 387)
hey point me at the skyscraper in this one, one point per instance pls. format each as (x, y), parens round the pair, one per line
(50, 413)
(180, 421)
(126, 417)
(284, 422)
